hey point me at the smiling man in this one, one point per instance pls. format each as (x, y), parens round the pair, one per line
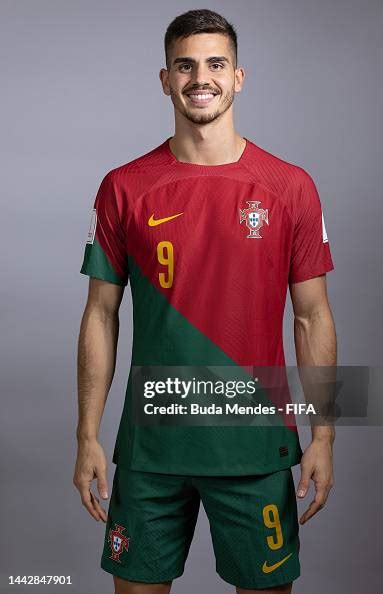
(210, 230)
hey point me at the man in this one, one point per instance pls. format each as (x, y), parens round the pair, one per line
(210, 229)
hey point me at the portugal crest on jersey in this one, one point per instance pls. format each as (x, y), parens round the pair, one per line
(118, 542)
(254, 218)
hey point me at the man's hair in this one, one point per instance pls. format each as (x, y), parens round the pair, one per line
(199, 21)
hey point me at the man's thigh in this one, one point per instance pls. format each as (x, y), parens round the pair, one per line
(285, 589)
(254, 528)
(122, 586)
(150, 525)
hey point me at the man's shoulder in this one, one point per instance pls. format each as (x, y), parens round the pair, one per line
(155, 159)
(273, 170)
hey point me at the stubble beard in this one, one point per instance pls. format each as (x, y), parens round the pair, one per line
(202, 118)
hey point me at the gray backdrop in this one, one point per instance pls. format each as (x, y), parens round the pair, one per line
(81, 95)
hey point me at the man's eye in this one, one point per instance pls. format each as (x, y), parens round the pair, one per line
(214, 66)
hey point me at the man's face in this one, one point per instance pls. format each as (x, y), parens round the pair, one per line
(202, 78)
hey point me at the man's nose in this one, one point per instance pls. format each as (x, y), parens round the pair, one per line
(200, 74)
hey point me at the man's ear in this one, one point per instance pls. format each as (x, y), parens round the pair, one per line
(239, 78)
(164, 77)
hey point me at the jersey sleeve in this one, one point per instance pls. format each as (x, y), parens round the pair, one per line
(310, 255)
(105, 255)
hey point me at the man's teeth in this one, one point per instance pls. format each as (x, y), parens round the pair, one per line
(202, 97)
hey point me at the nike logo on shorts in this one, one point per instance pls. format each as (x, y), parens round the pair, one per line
(269, 568)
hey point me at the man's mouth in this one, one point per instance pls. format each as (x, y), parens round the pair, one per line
(201, 98)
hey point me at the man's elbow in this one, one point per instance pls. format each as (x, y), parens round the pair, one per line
(314, 315)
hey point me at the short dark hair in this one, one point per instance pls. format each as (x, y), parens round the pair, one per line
(199, 21)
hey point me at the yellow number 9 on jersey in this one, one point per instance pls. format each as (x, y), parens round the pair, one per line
(165, 256)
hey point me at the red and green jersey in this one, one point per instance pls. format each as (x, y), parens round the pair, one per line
(209, 252)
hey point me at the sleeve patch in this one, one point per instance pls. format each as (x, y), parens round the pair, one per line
(92, 228)
(324, 232)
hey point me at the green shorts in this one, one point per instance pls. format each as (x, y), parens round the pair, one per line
(253, 525)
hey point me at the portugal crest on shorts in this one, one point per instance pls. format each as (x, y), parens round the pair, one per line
(118, 542)
(254, 218)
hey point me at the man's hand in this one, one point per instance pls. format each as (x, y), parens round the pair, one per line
(91, 464)
(317, 464)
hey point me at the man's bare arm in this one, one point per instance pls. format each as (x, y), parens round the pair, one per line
(315, 345)
(97, 349)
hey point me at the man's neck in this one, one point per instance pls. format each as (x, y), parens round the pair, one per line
(206, 146)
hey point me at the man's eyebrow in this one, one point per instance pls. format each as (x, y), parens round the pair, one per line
(192, 61)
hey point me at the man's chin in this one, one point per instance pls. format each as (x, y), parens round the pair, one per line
(201, 118)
